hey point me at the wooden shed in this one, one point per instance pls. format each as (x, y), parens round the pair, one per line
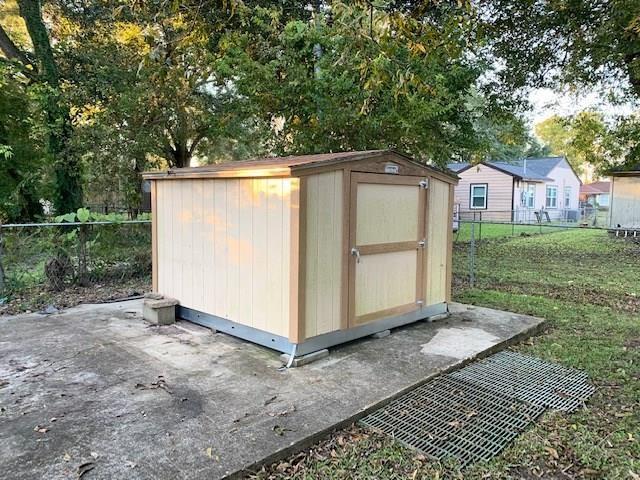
(624, 200)
(304, 252)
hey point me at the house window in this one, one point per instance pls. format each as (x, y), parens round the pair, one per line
(528, 196)
(478, 198)
(531, 201)
(567, 197)
(552, 197)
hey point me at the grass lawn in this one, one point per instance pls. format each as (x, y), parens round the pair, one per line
(587, 286)
(487, 231)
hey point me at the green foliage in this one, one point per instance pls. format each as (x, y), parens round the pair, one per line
(585, 139)
(22, 148)
(341, 81)
(556, 43)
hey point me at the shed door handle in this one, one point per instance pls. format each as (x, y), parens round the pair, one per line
(356, 253)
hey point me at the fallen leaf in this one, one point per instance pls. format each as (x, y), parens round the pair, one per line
(209, 452)
(553, 452)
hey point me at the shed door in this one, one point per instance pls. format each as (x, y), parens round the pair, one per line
(387, 236)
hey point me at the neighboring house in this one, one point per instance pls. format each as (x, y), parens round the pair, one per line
(624, 208)
(517, 190)
(595, 194)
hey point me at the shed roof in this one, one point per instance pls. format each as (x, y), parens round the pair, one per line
(595, 188)
(286, 166)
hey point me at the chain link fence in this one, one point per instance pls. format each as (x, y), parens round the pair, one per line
(506, 255)
(55, 257)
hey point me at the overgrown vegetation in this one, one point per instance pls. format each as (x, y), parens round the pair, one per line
(43, 264)
(586, 285)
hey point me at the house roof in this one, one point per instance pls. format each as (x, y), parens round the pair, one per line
(529, 169)
(286, 166)
(595, 188)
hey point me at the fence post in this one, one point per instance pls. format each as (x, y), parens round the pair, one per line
(83, 279)
(480, 230)
(472, 256)
(2, 278)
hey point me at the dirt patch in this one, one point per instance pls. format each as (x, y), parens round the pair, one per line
(39, 298)
(632, 343)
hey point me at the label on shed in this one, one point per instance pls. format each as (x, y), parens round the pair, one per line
(391, 168)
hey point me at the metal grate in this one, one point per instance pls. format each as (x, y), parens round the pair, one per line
(448, 417)
(473, 413)
(530, 379)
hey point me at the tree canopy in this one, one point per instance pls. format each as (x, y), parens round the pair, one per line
(109, 89)
(547, 43)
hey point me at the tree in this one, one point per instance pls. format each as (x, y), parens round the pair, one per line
(361, 77)
(580, 138)
(43, 69)
(553, 43)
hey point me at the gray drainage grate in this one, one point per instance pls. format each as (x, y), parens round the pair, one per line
(448, 417)
(473, 413)
(530, 379)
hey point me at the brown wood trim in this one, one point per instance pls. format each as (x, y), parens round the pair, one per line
(250, 173)
(449, 273)
(346, 255)
(389, 312)
(154, 237)
(388, 247)
(387, 179)
(370, 162)
(294, 267)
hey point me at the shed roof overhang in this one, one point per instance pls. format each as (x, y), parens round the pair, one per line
(628, 173)
(300, 165)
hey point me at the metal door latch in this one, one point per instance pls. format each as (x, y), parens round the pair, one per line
(356, 253)
(424, 183)
(422, 243)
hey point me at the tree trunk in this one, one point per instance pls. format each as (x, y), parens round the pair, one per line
(180, 155)
(68, 196)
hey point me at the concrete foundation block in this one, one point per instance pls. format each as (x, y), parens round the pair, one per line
(153, 296)
(305, 359)
(160, 311)
(382, 334)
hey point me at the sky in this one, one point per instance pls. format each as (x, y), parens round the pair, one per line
(546, 102)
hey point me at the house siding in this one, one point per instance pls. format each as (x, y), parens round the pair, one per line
(499, 193)
(562, 176)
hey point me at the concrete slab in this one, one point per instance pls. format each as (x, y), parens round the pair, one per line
(97, 384)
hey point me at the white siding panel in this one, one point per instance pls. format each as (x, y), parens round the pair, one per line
(222, 248)
(437, 242)
(323, 257)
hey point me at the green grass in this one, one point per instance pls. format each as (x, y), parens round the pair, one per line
(587, 286)
(488, 231)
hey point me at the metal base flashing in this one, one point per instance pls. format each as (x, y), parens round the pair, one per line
(313, 344)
